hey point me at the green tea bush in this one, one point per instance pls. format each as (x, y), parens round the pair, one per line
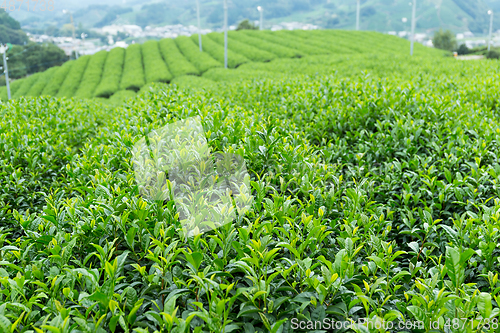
(14, 86)
(92, 75)
(493, 54)
(41, 135)
(72, 82)
(248, 51)
(44, 78)
(26, 85)
(57, 79)
(201, 60)
(302, 47)
(176, 62)
(279, 50)
(334, 43)
(375, 184)
(112, 73)
(193, 82)
(133, 69)
(155, 68)
(217, 52)
(121, 96)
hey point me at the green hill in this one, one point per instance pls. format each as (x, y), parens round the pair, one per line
(107, 73)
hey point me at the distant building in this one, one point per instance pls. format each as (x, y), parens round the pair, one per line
(294, 26)
(132, 30)
(167, 31)
(120, 44)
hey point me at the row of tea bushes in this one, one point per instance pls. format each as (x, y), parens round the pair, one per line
(112, 73)
(26, 85)
(57, 79)
(176, 62)
(249, 51)
(92, 76)
(155, 68)
(74, 77)
(302, 48)
(45, 77)
(217, 51)
(261, 44)
(133, 69)
(201, 60)
(336, 45)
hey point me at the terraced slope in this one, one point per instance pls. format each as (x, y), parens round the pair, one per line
(107, 73)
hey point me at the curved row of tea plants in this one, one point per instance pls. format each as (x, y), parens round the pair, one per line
(92, 76)
(155, 68)
(112, 73)
(201, 60)
(74, 77)
(133, 69)
(174, 59)
(250, 52)
(57, 79)
(217, 52)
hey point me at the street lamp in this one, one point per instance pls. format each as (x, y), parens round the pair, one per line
(413, 22)
(73, 25)
(261, 10)
(490, 12)
(358, 7)
(199, 24)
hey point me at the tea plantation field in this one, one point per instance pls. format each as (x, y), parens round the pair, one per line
(105, 74)
(375, 177)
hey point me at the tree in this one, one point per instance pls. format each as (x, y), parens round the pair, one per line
(493, 54)
(33, 58)
(246, 25)
(444, 40)
(463, 49)
(10, 30)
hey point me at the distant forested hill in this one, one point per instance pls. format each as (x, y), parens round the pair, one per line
(379, 15)
(10, 30)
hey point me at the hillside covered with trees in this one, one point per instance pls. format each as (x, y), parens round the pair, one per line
(10, 30)
(378, 15)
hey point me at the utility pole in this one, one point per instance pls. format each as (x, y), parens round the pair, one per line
(3, 49)
(413, 23)
(490, 12)
(225, 34)
(74, 38)
(261, 10)
(358, 8)
(73, 25)
(199, 24)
